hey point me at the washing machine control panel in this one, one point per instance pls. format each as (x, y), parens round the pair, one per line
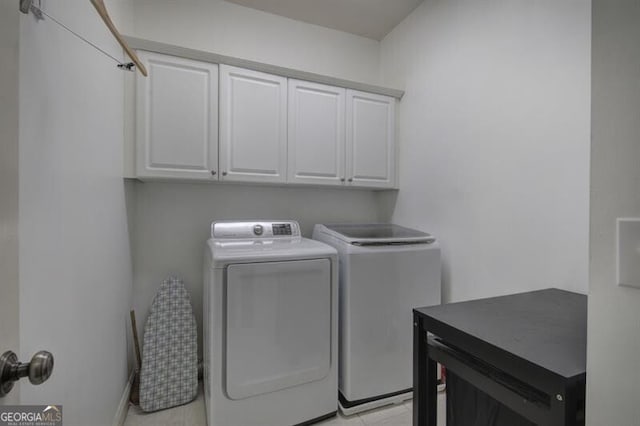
(255, 230)
(281, 229)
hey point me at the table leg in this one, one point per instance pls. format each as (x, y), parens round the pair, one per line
(425, 386)
(564, 406)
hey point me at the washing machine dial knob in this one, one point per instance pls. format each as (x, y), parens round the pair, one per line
(258, 229)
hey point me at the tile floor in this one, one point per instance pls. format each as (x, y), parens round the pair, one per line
(193, 414)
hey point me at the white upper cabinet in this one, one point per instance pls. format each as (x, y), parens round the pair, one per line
(199, 120)
(371, 156)
(253, 126)
(177, 119)
(316, 134)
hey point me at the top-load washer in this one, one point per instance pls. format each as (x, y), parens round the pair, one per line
(385, 271)
(270, 325)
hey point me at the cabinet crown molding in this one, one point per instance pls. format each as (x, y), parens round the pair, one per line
(204, 56)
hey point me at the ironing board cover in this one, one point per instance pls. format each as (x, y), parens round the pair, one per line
(169, 373)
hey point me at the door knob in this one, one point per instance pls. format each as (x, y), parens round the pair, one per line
(38, 370)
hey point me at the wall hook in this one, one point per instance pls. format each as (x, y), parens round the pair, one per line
(27, 6)
(130, 66)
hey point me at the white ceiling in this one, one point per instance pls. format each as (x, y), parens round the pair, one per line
(368, 18)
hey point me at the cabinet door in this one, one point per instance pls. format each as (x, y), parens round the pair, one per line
(177, 118)
(253, 126)
(316, 133)
(371, 159)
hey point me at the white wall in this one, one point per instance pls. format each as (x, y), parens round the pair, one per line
(494, 139)
(75, 268)
(173, 223)
(613, 341)
(229, 29)
(173, 240)
(9, 288)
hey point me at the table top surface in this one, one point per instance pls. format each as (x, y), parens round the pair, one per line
(545, 327)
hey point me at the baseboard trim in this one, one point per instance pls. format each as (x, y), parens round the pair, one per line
(123, 407)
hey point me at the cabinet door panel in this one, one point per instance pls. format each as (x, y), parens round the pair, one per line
(316, 133)
(177, 118)
(370, 140)
(253, 139)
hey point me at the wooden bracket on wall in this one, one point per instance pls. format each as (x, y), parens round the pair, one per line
(27, 6)
(102, 11)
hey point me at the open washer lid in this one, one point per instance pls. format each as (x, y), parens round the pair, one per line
(379, 234)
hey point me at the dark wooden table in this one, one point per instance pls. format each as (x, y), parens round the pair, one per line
(527, 351)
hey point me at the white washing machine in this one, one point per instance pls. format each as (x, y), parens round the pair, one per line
(270, 325)
(385, 271)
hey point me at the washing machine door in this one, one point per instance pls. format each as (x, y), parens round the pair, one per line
(278, 325)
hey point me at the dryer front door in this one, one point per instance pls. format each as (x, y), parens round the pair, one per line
(278, 325)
